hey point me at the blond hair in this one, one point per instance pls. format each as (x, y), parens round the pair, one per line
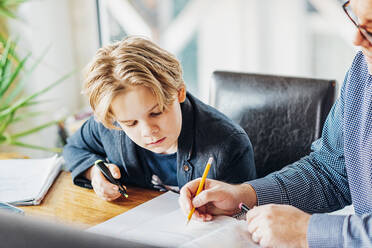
(134, 61)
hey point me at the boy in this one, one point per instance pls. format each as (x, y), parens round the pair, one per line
(148, 127)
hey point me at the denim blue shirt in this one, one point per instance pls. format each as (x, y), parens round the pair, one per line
(162, 165)
(205, 132)
(337, 172)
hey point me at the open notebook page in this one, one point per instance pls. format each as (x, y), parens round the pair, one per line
(160, 222)
(26, 181)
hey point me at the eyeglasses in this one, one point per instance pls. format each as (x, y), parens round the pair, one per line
(367, 35)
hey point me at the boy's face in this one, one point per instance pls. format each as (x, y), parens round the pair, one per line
(137, 112)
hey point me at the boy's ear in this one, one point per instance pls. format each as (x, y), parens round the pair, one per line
(182, 94)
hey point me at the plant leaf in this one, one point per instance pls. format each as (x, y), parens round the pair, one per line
(4, 56)
(20, 103)
(6, 122)
(24, 116)
(13, 45)
(22, 82)
(10, 80)
(2, 107)
(4, 63)
(17, 143)
(6, 13)
(34, 130)
(13, 2)
(7, 71)
(2, 139)
(6, 4)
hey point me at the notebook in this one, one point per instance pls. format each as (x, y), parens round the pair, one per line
(10, 208)
(26, 181)
(160, 222)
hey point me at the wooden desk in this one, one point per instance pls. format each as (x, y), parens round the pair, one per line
(68, 203)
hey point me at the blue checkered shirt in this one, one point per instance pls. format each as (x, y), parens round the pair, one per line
(337, 172)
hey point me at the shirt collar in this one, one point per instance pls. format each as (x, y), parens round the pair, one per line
(186, 138)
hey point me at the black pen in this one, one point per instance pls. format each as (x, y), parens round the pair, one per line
(243, 207)
(106, 172)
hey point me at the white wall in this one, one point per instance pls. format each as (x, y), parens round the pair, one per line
(265, 36)
(68, 28)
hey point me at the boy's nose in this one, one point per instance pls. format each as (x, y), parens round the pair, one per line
(149, 130)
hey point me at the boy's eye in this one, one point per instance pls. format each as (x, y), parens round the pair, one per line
(131, 124)
(156, 113)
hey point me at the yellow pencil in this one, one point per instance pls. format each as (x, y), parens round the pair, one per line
(201, 185)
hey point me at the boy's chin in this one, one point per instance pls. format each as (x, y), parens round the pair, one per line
(158, 150)
(163, 150)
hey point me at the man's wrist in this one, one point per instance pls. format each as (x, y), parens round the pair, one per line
(248, 195)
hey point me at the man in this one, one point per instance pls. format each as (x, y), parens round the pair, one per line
(337, 172)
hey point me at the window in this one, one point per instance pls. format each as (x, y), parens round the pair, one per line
(289, 37)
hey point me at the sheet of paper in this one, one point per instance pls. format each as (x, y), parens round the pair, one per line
(27, 180)
(160, 222)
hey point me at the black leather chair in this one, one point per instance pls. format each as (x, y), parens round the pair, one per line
(281, 115)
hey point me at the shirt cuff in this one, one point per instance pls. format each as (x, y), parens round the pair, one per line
(78, 173)
(325, 230)
(267, 191)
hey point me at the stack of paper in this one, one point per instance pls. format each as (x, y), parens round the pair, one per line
(26, 181)
(160, 222)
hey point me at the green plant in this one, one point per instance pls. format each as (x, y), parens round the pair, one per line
(6, 7)
(11, 99)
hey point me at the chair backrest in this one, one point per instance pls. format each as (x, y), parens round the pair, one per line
(281, 115)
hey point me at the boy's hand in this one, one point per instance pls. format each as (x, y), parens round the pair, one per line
(103, 188)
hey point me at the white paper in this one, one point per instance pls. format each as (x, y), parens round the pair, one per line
(160, 222)
(26, 181)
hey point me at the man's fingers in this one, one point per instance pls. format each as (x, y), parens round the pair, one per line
(188, 200)
(185, 202)
(206, 196)
(204, 212)
(186, 195)
(209, 183)
(201, 216)
(115, 171)
(253, 224)
(192, 186)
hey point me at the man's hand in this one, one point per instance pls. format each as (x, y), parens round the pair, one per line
(103, 188)
(278, 226)
(217, 198)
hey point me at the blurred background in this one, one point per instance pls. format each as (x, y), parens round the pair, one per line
(307, 38)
